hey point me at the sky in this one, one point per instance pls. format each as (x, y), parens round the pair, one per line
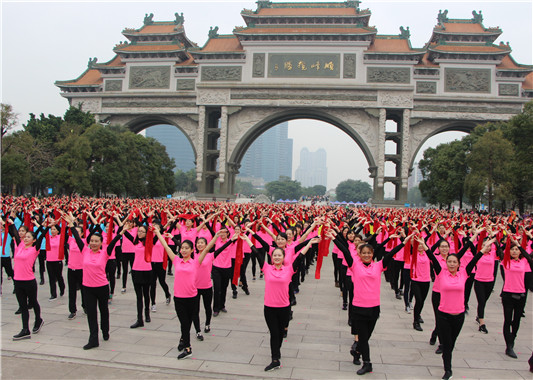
(46, 41)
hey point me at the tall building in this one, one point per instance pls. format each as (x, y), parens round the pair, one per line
(177, 145)
(313, 169)
(270, 155)
(415, 177)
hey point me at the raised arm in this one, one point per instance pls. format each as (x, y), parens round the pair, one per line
(168, 250)
(296, 262)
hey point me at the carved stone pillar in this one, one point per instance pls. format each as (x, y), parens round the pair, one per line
(379, 178)
(200, 149)
(406, 119)
(223, 144)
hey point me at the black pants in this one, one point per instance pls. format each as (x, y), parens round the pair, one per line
(348, 284)
(6, 264)
(110, 270)
(221, 278)
(186, 310)
(420, 291)
(483, 291)
(342, 282)
(142, 291)
(245, 260)
(74, 278)
(407, 294)
(277, 318)
(97, 296)
(334, 257)
(127, 257)
(513, 307)
(158, 273)
(364, 326)
(448, 327)
(468, 287)
(26, 292)
(207, 297)
(396, 268)
(435, 302)
(118, 258)
(233, 286)
(42, 263)
(55, 275)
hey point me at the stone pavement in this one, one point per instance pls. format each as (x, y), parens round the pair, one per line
(317, 346)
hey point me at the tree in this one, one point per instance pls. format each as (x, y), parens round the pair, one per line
(313, 191)
(15, 172)
(285, 188)
(354, 191)
(244, 187)
(489, 162)
(8, 118)
(185, 181)
(414, 197)
(444, 169)
(519, 131)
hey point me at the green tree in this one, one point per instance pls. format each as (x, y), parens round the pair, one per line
(284, 188)
(15, 172)
(354, 191)
(519, 131)
(186, 181)
(489, 162)
(444, 169)
(313, 191)
(8, 118)
(414, 197)
(244, 187)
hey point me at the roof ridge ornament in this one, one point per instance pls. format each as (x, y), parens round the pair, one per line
(478, 17)
(263, 4)
(405, 33)
(179, 18)
(353, 4)
(442, 17)
(213, 32)
(148, 19)
(92, 62)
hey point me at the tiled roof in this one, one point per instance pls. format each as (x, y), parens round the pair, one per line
(306, 30)
(89, 77)
(468, 48)
(147, 47)
(307, 12)
(528, 83)
(222, 45)
(115, 62)
(462, 27)
(392, 45)
(155, 29)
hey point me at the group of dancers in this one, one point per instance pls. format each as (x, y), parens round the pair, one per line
(210, 245)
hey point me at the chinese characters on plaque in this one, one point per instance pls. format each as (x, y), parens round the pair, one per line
(304, 65)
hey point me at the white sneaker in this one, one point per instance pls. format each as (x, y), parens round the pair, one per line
(154, 308)
(123, 290)
(408, 309)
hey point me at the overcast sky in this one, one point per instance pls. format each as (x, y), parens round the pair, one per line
(46, 41)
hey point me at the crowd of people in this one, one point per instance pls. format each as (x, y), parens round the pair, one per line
(208, 246)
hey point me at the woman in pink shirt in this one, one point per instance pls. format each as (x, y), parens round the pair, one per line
(451, 311)
(277, 305)
(185, 290)
(54, 265)
(158, 272)
(27, 250)
(484, 284)
(74, 274)
(514, 293)
(95, 283)
(366, 277)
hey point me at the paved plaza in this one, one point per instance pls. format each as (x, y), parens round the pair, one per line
(317, 346)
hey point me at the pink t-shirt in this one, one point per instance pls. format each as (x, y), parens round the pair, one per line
(23, 262)
(203, 278)
(139, 263)
(421, 272)
(277, 285)
(185, 273)
(485, 268)
(127, 244)
(94, 267)
(436, 284)
(206, 234)
(158, 251)
(514, 276)
(366, 283)
(265, 236)
(53, 253)
(75, 258)
(223, 260)
(452, 291)
(188, 234)
(290, 255)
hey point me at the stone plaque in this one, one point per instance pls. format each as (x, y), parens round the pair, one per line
(426, 87)
(467, 80)
(388, 75)
(259, 65)
(157, 102)
(508, 89)
(221, 73)
(113, 85)
(149, 77)
(185, 84)
(348, 70)
(303, 65)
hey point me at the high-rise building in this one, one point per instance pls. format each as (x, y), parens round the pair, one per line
(415, 177)
(176, 144)
(313, 169)
(270, 155)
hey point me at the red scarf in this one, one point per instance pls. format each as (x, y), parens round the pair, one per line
(238, 262)
(323, 250)
(148, 244)
(62, 239)
(507, 253)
